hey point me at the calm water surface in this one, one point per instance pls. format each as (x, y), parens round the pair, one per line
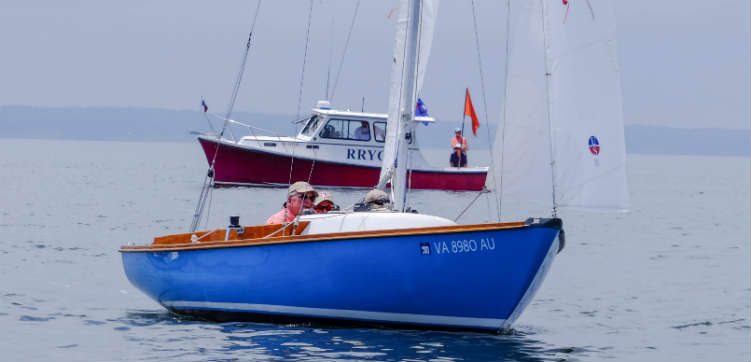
(668, 281)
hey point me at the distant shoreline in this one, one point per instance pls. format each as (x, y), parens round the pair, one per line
(163, 125)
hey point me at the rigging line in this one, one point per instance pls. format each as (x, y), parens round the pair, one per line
(344, 51)
(484, 96)
(208, 210)
(236, 87)
(241, 72)
(499, 192)
(484, 190)
(208, 182)
(291, 164)
(206, 116)
(331, 56)
(410, 123)
(313, 165)
(548, 75)
(299, 95)
(304, 59)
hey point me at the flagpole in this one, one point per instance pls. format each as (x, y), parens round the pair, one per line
(464, 113)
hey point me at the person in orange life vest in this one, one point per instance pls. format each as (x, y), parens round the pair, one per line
(300, 195)
(460, 146)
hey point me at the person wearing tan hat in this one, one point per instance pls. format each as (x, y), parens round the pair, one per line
(300, 195)
(377, 200)
(324, 203)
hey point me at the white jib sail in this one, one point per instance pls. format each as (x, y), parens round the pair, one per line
(566, 129)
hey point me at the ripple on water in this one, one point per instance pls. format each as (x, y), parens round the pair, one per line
(28, 318)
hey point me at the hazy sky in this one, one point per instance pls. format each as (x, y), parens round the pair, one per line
(684, 63)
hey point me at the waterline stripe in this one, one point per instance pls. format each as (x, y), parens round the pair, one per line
(439, 320)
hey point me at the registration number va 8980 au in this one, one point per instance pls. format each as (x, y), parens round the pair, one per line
(462, 246)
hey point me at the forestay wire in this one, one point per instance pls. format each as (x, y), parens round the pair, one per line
(485, 110)
(208, 182)
(484, 101)
(499, 192)
(304, 60)
(299, 96)
(240, 73)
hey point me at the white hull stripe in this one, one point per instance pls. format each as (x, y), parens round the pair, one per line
(440, 320)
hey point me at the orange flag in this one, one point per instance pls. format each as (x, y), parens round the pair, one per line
(470, 111)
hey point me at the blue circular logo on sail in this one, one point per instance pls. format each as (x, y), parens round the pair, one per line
(594, 145)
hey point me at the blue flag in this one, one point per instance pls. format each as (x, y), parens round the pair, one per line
(420, 109)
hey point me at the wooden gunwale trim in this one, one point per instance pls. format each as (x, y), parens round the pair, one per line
(324, 237)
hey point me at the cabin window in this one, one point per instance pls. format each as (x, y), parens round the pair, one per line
(379, 131)
(311, 126)
(346, 130)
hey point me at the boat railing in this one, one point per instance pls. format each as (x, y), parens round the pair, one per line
(251, 128)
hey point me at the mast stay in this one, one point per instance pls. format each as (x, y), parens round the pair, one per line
(208, 182)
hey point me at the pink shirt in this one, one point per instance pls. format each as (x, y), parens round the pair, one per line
(461, 141)
(278, 218)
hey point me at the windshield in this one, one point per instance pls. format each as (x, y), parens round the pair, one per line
(310, 127)
(346, 129)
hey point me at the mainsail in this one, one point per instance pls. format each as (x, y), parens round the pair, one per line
(414, 34)
(560, 141)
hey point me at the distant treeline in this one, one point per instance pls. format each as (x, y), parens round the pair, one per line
(164, 125)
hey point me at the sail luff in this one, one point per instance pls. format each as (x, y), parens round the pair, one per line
(401, 110)
(392, 126)
(546, 36)
(521, 173)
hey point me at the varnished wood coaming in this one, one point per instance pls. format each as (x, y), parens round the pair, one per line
(250, 233)
(180, 242)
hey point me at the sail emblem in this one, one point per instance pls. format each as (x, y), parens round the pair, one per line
(594, 145)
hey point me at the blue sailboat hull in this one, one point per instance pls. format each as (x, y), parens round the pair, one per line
(463, 279)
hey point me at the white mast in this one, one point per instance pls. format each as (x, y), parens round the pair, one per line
(401, 105)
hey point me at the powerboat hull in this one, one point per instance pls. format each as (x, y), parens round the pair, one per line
(238, 165)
